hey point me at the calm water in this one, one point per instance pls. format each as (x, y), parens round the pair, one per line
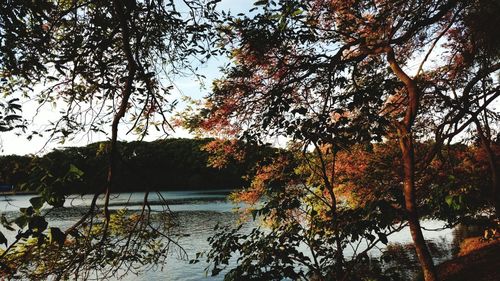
(197, 212)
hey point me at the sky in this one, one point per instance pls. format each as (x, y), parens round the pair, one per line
(16, 142)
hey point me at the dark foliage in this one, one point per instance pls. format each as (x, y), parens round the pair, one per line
(169, 164)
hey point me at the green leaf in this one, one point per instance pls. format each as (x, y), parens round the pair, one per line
(370, 237)
(449, 200)
(21, 221)
(56, 236)
(3, 240)
(37, 224)
(5, 223)
(313, 213)
(382, 237)
(37, 202)
(27, 211)
(56, 200)
(74, 233)
(73, 170)
(297, 12)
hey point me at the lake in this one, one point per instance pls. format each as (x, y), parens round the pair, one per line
(197, 212)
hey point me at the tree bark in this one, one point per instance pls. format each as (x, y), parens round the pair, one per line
(405, 135)
(408, 157)
(122, 109)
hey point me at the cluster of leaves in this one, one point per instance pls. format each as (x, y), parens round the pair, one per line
(134, 243)
(77, 56)
(458, 185)
(301, 232)
(9, 116)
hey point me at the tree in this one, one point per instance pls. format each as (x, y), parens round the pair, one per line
(329, 74)
(103, 61)
(303, 236)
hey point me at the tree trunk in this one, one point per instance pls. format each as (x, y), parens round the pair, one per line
(408, 158)
(122, 109)
(423, 254)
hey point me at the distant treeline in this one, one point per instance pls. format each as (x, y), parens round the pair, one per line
(170, 164)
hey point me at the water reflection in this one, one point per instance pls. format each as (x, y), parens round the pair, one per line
(399, 260)
(197, 212)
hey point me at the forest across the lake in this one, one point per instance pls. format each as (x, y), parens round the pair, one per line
(169, 164)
